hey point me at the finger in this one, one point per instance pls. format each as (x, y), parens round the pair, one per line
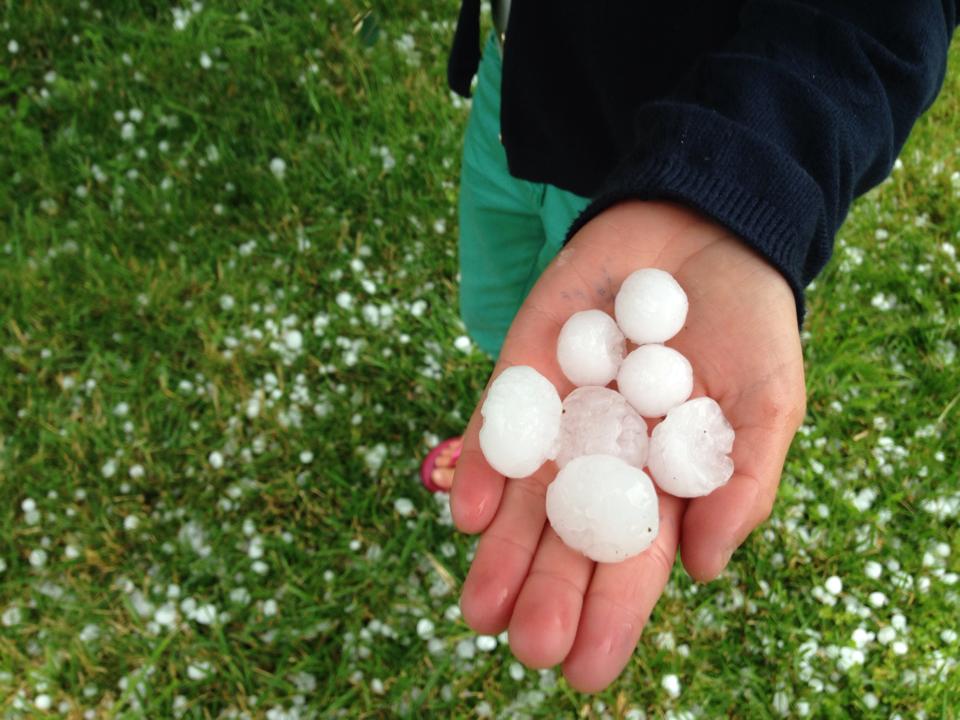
(715, 525)
(505, 552)
(545, 617)
(617, 604)
(477, 487)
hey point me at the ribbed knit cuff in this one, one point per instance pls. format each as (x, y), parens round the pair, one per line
(757, 191)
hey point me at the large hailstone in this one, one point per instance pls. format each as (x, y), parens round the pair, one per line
(689, 450)
(651, 307)
(590, 348)
(603, 508)
(654, 379)
(521, 421)
(599, 421)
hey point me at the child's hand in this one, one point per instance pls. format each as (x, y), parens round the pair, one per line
(741, 337)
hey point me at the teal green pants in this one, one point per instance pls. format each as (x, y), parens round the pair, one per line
(510, 229)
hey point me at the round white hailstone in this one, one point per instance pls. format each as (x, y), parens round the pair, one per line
(521, 422)
(486, 643)
(205, 614)
(599, 421)
(293, 339)
(465, 650)
(834, 585)
(404, 507)
(651, 307)
(689, 449)
(886, 635)
(655, 379)
(604, 508)
(166, 615)
(671, 683)
(425, 628)
(590, 348)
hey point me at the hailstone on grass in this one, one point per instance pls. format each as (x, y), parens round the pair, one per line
(689, 450)
(599, 421)
(654, 379)
(521, 422)
(651, 307)
(590, 348)
(604, 508)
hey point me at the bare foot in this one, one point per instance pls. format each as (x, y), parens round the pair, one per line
(442, 475)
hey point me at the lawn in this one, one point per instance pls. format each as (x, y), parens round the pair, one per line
(229, 331)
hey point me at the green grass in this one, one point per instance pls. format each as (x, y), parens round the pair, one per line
(149, 283)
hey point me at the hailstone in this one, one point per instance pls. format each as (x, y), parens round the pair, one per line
(650, 307)
(521, 422)
(590, 348)
(599, 421)
(689, 450)
(604, 508)
(654, 379)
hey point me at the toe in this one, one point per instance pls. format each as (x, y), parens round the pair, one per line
(442, 477)
(447, 456)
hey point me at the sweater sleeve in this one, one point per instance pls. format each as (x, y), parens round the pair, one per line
(804, 110)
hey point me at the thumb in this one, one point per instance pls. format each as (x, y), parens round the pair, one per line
(715, 525)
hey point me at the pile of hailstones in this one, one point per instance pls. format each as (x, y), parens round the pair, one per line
(601, 502)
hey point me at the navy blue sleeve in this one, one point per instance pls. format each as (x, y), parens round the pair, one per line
(776, 135)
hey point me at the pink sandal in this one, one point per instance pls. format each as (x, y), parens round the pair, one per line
(429, 464)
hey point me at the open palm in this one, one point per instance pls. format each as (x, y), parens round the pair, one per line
(742, 339)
